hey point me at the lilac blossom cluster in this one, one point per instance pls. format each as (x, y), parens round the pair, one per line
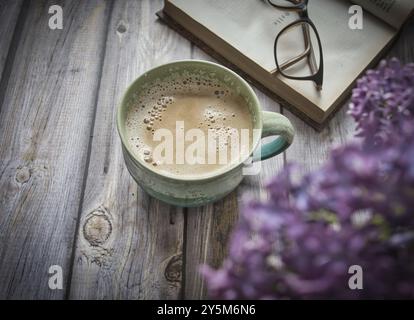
(357, 209)
(383, 102)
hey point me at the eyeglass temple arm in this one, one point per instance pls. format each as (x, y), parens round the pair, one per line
(306, 53)
(309, 48)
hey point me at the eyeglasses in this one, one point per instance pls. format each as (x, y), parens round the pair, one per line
(298, 60)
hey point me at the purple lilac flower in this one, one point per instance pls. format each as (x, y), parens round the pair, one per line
(383, 101)
(357, 209)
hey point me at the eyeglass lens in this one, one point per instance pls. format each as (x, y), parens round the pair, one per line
(297, 51)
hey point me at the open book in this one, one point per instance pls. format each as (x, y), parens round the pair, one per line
(241, 33)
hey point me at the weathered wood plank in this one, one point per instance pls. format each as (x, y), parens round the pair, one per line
(9, 12)
(404, 47)
(207, 231)
(45, 124)
(208, 228)
(310, 148)
(129, 245)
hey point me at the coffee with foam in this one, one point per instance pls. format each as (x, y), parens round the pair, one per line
(166, 125)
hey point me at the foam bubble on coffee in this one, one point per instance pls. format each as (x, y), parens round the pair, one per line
(199, 102)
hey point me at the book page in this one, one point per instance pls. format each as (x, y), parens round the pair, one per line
(249, 27)
(394, 12)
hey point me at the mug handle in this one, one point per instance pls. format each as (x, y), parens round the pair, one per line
(274, 124)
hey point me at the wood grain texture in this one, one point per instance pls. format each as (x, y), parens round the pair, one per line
(310, 149)
(404, 47)
(66, 197)
(46, 115)
(9, 12)
(129, 245)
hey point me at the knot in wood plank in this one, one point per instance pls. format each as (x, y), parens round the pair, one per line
(97, 228)
(121, 28)
(22, 174)
(173, 270)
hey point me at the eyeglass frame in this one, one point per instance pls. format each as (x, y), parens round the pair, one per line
(302, 8)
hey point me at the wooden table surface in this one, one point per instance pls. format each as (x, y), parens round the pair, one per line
(66, 197)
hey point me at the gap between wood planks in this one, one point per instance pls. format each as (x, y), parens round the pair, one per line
(11, 53)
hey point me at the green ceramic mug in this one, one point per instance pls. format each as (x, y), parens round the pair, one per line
(190, 192)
